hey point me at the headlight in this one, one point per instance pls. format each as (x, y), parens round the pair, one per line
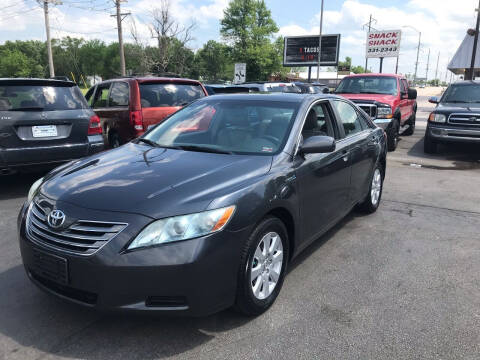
(33, 189)
(183, 227)
(437, 118)
(384, 112)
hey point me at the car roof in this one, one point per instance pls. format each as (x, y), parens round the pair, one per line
(155, 79)
(376, 74)
(35, 81)
(270, 96)
(467, 82)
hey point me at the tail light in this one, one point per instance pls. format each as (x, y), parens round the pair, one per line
(136, 119)
(94, 127)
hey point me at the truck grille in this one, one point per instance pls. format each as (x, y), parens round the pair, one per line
(370, 109)
(464, 119)
(83, 237)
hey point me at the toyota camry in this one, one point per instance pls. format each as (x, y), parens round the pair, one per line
(207, 209)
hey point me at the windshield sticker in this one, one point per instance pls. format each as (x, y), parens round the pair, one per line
(267, 149)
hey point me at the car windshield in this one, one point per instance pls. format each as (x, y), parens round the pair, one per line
(368, 85)
(40, 97)
(227, 126)
(462, 94)
(166, 95)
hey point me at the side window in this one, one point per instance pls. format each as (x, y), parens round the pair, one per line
(101, 96)
(318, 122)
(349, 117)
(405, 85)
(89, 96)
(119, 94)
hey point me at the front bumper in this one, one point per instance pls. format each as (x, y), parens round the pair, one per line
(193, 277)
(382, 123)
(22, 157)
(446, 133)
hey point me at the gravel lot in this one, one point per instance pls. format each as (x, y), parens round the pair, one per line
(403, 283)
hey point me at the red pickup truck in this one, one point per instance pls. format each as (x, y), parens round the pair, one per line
(387, 98)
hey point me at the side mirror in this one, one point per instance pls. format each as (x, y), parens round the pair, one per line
(326, 90)
(318, 145)
(412, 94)
(433, 100)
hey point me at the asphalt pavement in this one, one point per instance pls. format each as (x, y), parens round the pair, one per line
(403, 283)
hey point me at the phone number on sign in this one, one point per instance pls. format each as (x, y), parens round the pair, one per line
(384, 49)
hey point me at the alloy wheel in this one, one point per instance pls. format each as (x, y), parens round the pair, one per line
(266, 265)
(376, 188)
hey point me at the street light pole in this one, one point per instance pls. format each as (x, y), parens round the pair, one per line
(320, 44)
(418, 53)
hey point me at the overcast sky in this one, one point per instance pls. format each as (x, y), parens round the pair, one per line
(443, 23)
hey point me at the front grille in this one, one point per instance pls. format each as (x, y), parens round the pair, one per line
(75, 294)
(464, 119)
(370, 109)
(82, 237)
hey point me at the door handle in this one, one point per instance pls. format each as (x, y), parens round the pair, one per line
(345, 155)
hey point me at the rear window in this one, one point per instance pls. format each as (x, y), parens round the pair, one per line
(166, 95)
(40, 97)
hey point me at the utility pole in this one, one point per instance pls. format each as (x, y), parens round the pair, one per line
(120, 16)
(47, 30)
(369, 29)
(428, 64)
(418, 53)
(320, 43)
(475, 42)
(436, 69)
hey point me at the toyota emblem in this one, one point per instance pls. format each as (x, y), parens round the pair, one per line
(56, 218)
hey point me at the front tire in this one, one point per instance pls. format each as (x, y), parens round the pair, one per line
(430, 146)
(392, 135)
(114, 140)
(262, 267)
(372, 201)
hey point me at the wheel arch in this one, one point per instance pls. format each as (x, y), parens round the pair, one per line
(287, 218)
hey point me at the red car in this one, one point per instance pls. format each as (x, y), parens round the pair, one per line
(387, 98)
(128, 107)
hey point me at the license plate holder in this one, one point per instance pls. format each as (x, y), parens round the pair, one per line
(51, 267)
(40, 131)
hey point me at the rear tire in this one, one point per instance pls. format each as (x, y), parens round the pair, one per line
(411, 127)
(256, 285)
(372, 201)
(114, 140)
(392, 135)
(430, 146)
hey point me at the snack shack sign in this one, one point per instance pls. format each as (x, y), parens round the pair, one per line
(383, 43)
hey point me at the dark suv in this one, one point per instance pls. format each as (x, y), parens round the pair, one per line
(128, 107)
(456, 117)
(44, 122)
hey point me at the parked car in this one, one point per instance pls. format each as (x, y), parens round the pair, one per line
(44, 122)
(283, 87)
(309, 88)
(387, 98)
(207, 209)
(456, 119)
(214, 89)
(128, 107)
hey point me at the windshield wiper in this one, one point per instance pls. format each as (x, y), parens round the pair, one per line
(374, 92)
(29, 108)
(204, 149)
(148, 141)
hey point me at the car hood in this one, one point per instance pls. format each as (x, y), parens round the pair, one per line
(386, 99)
(155, 182)
(456, 107)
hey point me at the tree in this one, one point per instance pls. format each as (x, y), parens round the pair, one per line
(170, 36)
(214, 62)
(248, 26)
(355, 69)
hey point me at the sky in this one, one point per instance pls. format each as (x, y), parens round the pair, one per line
(442, 23)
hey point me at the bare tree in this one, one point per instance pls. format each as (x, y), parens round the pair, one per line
(169, 32)
(146, 61)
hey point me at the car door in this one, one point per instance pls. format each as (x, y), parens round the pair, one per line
(361, 142)
(404, 102)
(323, 179)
